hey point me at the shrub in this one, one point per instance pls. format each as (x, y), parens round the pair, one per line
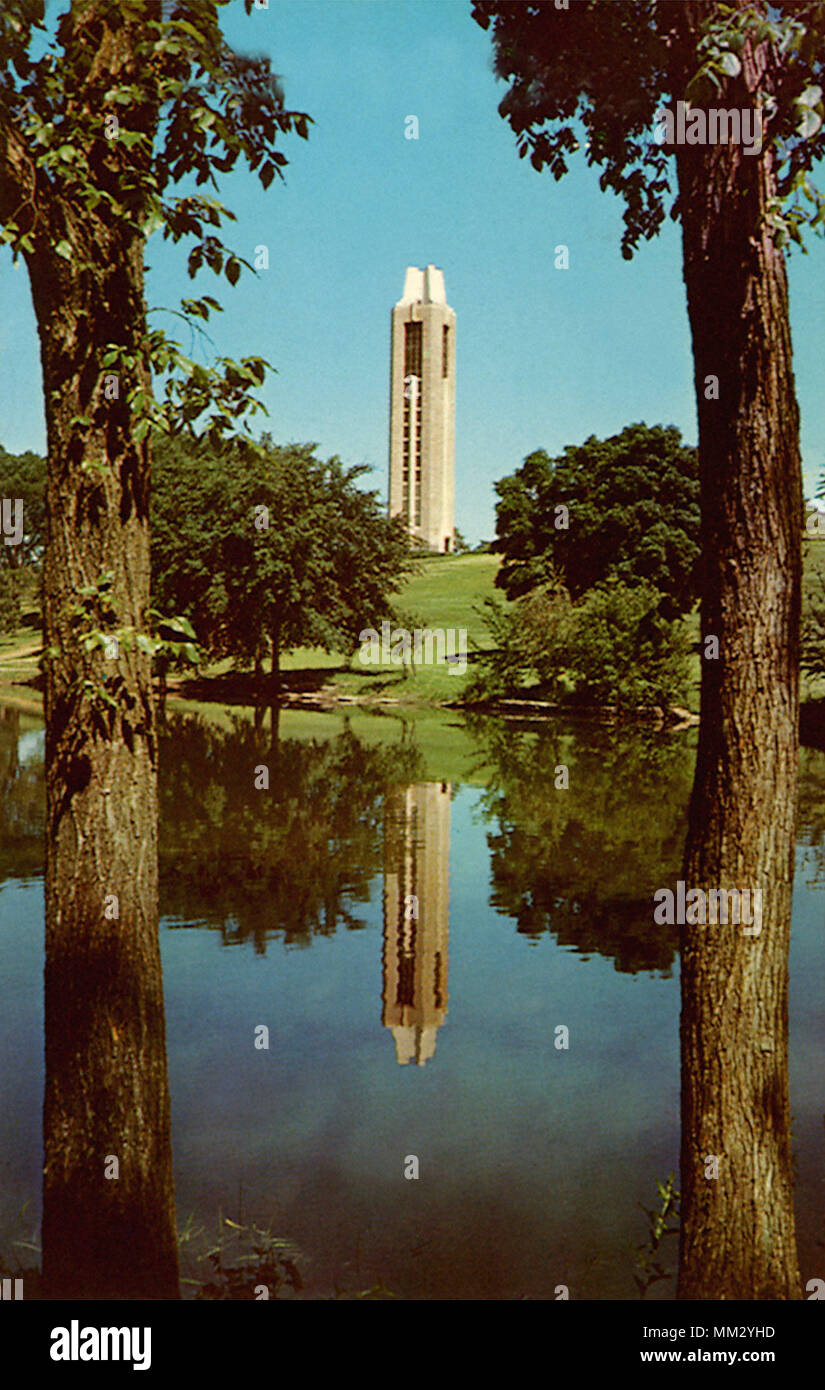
(9, 600)
(621, 650)
(612, 647)
(813, 628)
(530, 636)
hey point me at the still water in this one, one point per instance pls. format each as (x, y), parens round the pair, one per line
(422, 918)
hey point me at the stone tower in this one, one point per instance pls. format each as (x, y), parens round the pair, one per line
(422, 410)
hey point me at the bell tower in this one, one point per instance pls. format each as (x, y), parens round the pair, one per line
(422, 410)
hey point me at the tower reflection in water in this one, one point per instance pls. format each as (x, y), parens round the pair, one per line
(416, 916)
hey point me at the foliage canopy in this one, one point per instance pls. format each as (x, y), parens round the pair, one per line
(564, 95)
(632, 513)
(265, 548)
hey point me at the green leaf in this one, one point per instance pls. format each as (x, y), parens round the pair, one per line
(809, 125)
(730, 64)
(233, 271)
(64, 249)
(153, 222)
(180, 624)
(703, 86)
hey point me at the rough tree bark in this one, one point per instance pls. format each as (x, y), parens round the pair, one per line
(738, 1236)
(106, 1092)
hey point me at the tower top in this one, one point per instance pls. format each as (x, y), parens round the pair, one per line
(424, 286)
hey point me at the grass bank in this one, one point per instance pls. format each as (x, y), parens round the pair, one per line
(449, 592)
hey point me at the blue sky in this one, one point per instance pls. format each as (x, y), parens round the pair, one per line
(545, 357)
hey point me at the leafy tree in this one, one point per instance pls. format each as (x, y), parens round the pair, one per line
(621, 651)
(269, 548)
(9, 599)
(625, 507)
(812, 659)
(23, 477)
(530, 639)
(291, 863)
(613, 647)
(584, 866)
(600, 75)
(101, 116)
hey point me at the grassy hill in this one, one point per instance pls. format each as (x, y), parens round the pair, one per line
(448, 592)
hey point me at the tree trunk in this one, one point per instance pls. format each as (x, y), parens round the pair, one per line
(275, 638)
(274, 726)
(108, 1200)
(10, 720)
(106, 1077)
(738, 1236)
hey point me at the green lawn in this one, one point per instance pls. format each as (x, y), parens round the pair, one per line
(813, 586)
(448, 592)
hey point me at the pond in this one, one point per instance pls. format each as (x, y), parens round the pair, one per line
(415, 951)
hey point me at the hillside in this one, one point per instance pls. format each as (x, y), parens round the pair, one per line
(448, 592)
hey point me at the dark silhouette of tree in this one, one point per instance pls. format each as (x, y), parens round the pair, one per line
(583, 861)
(615, 68)
(624, 508)
(265, 548)
(98, 121)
